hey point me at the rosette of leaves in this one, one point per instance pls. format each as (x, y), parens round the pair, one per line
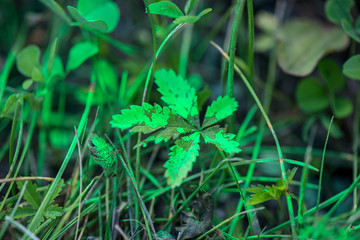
(179, 121)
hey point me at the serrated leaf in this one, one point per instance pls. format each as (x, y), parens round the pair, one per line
(104, 154)
(224, 141)
(151, 116)
(281, 183)
(261, 194)
(175, 127)
(220, 109)
(53, 211)
(24, 211)
(182, 156)
(56, 191)
(27, 59)
(31, 194)
(79, 53)
(178, 94)
(165, 8)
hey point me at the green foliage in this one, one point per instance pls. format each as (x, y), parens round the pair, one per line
(79, 53)
(169, 9)
(165, 8)
(262, 193)
(351, 67)
(28, 64)
(33, 197)
(339, 12)
(104, 155)
(181, 117)
(312, 97)
(100, 15)
(297, 35)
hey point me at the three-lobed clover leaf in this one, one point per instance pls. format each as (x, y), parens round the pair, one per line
(180, 121)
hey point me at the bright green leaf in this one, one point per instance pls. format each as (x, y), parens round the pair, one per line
(106, 11)
(95, 24)
(351, 67)
(27, 84)
(311, 96)
(186, 19)
(220, 109)
(31, 194)
(174, 128)
(342, 107)
(304, 42)
(262, 194)
(178, 93)
(224, 141)
(27, 59)
(331, 72)
(107, 75)
(165, 8)
(79, 53)
(36, 74)
(182, 157)
(10, 104)
(191, 19)
(52, 53)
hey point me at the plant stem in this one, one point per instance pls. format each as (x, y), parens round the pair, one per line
(281, 159)
(232, 46)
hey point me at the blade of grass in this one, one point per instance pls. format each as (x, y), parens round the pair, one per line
(232, 46)
(282, 165)
(250, 57)
(304, 176)
(356, 147)
(10, 60)
(312, 210)
(322, 167)
(39, 214)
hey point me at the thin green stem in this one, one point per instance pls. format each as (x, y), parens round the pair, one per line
(46, 201)
(250, 57)
(356, 147)
(10, 60)
(304, 176)
(255, 154)
(322, 166)
(232, 46)
(281, 160)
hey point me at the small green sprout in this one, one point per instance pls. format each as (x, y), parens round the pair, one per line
(104, 154)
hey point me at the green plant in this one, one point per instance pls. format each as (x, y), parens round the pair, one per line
(262, 193)
(181, 122)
